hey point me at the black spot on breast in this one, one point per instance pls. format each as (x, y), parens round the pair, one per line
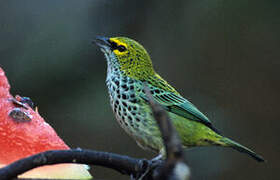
(124, 80)
(124, 96)
(131, 87)
(117, 83)
(130, 118)
(124, 86)
(134, 108)
(117, 102)
(124, 103)
(137, 119)
(133, 113)
(126, 123)
(132, 96)
(133, 101)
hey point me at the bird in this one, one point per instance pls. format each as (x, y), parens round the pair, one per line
(129, 70)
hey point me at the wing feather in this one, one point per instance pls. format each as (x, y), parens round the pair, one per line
(173, 102)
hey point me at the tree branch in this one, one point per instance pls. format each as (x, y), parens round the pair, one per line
(174, 168)
(120, 163)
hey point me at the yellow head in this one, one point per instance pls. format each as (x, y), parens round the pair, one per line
(126, 55)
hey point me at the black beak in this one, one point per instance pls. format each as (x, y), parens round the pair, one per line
(102, 41)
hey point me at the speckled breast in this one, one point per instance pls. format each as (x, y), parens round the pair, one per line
(122, 92)
(131, 111)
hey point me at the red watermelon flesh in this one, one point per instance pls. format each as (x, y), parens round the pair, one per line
(19, 139)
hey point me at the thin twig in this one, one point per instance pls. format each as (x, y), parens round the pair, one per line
(174, 168)
(169, 135)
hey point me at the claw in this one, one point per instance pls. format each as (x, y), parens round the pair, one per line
(157, 158)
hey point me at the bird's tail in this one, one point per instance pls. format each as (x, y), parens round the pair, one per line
(230, 143)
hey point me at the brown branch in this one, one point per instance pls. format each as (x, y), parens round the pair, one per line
(120, 163)
(174, 168)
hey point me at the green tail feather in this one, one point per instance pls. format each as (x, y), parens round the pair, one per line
(243, 149)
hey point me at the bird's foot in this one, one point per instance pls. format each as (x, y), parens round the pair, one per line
(145, 169)
(148, 168)
(157, 159)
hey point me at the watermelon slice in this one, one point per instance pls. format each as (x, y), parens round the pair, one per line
(26, 133)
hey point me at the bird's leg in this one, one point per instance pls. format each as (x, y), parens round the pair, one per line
(160, 156)
(141, 175)
(157, 158)
(155, 162)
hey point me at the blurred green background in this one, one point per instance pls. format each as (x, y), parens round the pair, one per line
(221, 55)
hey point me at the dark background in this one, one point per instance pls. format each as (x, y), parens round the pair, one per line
(221, 55)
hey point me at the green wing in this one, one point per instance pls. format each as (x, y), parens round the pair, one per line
(178, 105)
(173, 102)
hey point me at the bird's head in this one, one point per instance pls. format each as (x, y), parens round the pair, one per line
(127, 56)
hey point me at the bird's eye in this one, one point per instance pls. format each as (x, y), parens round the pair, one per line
(121, 48)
